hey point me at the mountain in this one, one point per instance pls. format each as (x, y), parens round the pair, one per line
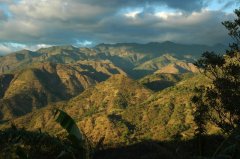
(136, 96)
(167, 64)
(30, 80)
(160, 81)
(103, 110)
(4, 83)
(178, 67)
(157, 63)
(137, 60)
(156, 48)
(96, 87)
(170, 111)
(44, 83)
(124, 112)
(56, 54)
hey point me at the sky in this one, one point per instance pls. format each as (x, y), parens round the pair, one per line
(33, 24)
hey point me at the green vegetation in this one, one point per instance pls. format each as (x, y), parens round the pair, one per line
(219, 101)
(160, 81)
(17, 143)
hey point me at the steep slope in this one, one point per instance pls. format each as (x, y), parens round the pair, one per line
(17, 60)
(4, 83)
(45, 83)
(139, 52)
(169, 112)
(178, 67)
(160, 81)
(137, 60)
(157, 63)
(168, 63)
(125, 112)
(55, 54)
(103, 110)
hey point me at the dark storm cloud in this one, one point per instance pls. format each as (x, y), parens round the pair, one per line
(203, 27)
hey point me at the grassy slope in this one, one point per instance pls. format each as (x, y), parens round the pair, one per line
(125, 112)
(44, 83)
(160, 81)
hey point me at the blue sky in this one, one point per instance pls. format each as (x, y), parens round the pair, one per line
(32, 24)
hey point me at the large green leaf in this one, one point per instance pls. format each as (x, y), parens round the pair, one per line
(68, 124)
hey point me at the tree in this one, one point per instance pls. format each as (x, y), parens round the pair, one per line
(219, 101)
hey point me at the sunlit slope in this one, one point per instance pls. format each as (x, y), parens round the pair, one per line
(124, 111)
(44, 83)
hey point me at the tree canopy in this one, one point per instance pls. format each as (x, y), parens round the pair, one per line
(219, 102)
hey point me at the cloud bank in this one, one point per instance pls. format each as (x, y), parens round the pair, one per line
(32, 23)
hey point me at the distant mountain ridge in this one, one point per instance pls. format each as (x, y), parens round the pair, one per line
(137, 60)
(166, 47)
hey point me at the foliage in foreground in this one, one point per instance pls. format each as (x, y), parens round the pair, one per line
(19, 143)
(80, 147)
(219, 102)
(25, 144)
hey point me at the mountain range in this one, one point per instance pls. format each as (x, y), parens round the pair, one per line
(136, 60)
(125, 92)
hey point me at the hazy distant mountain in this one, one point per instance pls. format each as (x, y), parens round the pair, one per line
(137, 60)
(156, 49)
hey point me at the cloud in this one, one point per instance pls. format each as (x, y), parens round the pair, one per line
(84, 43)
(12, 47)
(4, 49)
(198, 27)
(6, 1)
(186, 5)
(2, 16)
(84, 22)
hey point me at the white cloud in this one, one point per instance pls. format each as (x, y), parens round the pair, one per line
(56, 10)
(36, 47)
(83, 43)
(4, 49)
(166, 15)
(9, 47)
(55, 22)
(132, 14)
